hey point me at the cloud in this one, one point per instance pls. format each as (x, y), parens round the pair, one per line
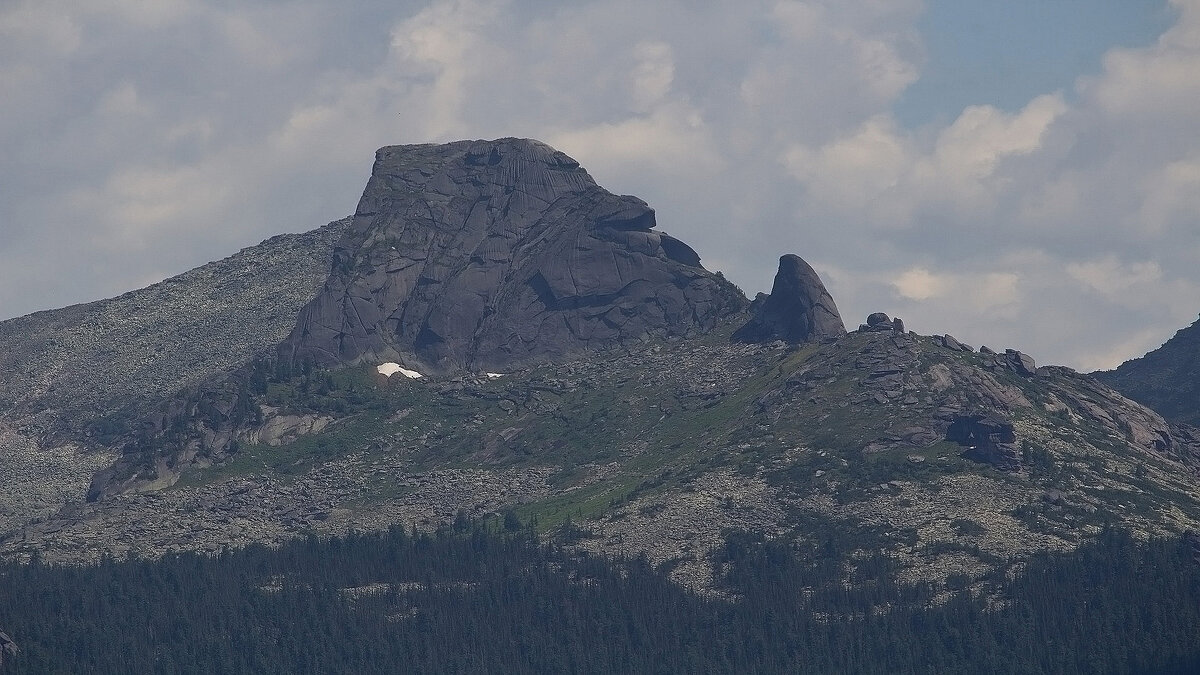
(443, 45)
(1114, 279)
(973, 296)
(884, 176)
(919, 283)
(141, 138)
(673, 138)
(1099, 187)
(653, 74)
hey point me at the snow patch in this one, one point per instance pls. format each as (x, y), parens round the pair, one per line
(389, 369)
(492, 376)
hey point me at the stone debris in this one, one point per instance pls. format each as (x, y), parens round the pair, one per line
(472, 258)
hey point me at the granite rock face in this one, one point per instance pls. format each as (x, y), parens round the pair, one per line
(799, 309)
(481, 254)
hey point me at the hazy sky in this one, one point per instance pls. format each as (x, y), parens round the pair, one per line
(1021, 174)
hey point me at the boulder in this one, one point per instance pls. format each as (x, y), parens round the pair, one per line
(1011, 359)
(476, 255)
(1022, 364)
(799, 308)
(878, 319)
(949, 342)
(880, 322)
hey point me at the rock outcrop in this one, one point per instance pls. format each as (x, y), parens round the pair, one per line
(1011, 359)
(949, 342)
(880, 322)
(987, 438)
(799, 309)
(481, 254)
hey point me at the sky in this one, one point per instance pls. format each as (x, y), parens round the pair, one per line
(1021, 174)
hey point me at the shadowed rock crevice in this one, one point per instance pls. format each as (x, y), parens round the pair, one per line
(799, 309)
(482, 254)
(987, 438)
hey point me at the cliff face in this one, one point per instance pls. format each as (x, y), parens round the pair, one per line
(481, 254)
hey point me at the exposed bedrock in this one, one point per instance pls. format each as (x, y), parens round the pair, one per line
(799, 309)
(480, 254)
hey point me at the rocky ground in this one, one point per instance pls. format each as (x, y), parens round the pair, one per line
(666, 447)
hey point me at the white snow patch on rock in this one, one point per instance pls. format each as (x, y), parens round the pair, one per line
(492, 376)
(389, 369)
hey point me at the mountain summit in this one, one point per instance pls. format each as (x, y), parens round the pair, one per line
(482, 254)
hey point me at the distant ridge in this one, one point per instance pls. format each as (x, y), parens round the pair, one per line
(1167, 379)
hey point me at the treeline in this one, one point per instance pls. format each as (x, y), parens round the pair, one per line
(479, 598)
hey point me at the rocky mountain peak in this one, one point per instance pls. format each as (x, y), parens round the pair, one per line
(799, 309)
(481, 254)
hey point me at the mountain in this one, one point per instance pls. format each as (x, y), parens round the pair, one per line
(495, 337)
(66, 371)
(1167, 379)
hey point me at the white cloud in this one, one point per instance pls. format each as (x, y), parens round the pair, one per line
(754, 128)
(1112, 278)
(123, 100)
(919, 283)
(973, 294)
(653, 74)
(445, 42)
(885, 176)
(146, 13)
(1171, 197)
(982, 136)
(35, 26)
(672, 139)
